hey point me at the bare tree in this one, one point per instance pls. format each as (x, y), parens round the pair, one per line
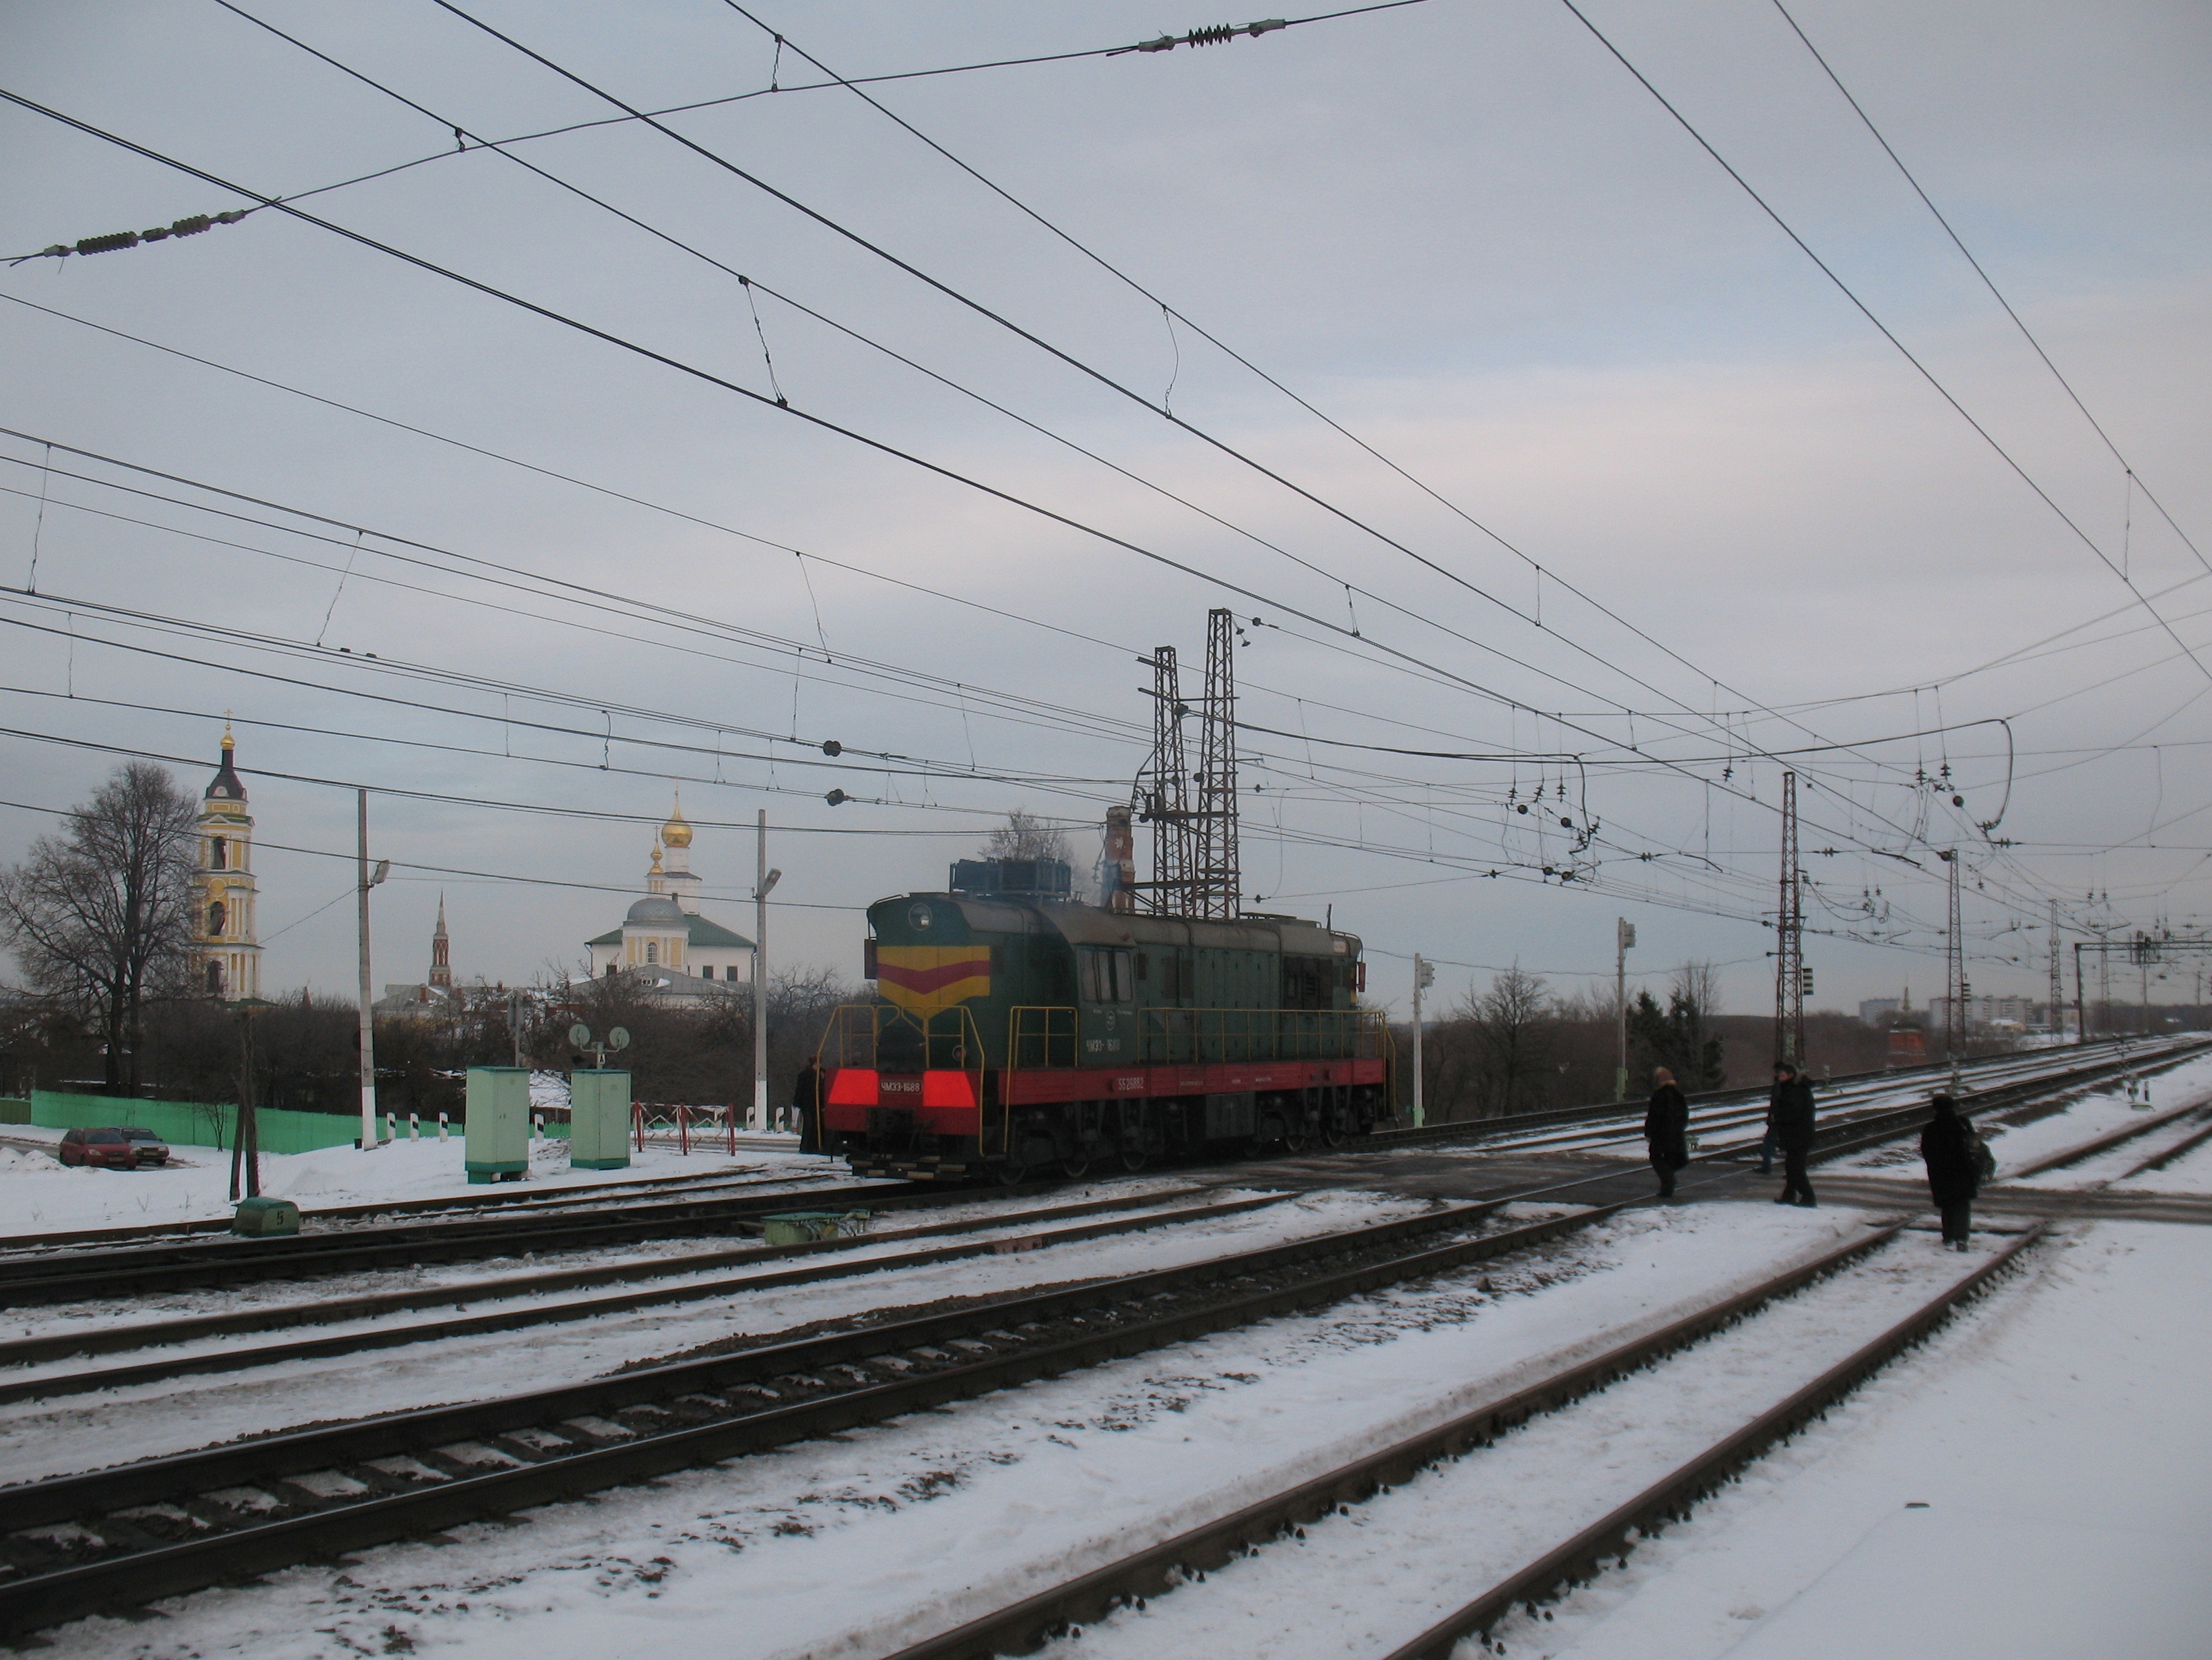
(1512, 1026)
(1026, 836)
(99, 916)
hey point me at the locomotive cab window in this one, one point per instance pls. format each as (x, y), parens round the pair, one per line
(1108, 975)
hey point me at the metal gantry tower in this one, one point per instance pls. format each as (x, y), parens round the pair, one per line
(1165, 790)
(1789, 927)
(2057, 982)
(1216, 882)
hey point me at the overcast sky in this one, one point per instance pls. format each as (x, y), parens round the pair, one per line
(1464, 231)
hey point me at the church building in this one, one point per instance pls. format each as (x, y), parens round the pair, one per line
(665, 941)
(226, 956)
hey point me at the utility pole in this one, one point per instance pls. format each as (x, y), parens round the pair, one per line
(1624, 935)
(1789, 925)
(1954, 970)
(764, 880)
(2080, 1008)
(364, 879)
(1425, 975)
(2058, 986)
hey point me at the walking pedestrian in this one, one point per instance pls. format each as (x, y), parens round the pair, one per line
(1952, 1151)
(1666, 1130)
(806, 1106)
(1790, 1121)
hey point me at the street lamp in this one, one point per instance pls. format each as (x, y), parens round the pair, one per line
(365, 880)
(764, 882)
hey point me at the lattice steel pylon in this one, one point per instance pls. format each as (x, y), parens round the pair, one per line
(2057, 1016)
(1164, 792)
(1215, 880)
(1789, 930)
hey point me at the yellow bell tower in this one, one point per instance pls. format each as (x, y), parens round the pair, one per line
(226, 956)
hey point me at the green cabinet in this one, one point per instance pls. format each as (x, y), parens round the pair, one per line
(498, 1123)
(598, 1120)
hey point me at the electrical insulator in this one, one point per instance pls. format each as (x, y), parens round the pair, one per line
(108, 244)
(1806, 975)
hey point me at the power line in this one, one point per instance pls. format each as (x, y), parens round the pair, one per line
(1865, 310)
(751, 285)
(1988, 282)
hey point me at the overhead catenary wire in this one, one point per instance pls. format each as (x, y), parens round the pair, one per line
(1883, 328)
(1396, 656)
(750, 284)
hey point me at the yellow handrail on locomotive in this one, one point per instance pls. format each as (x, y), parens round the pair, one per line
(854, 1038)
(1040, 1035)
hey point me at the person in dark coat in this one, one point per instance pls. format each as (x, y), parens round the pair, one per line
(1666, 1130)
(1954, 1170)
(1789, 1119)
(806, 1106)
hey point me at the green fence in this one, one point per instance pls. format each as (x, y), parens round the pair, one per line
(196, 1124)
(15, 1112)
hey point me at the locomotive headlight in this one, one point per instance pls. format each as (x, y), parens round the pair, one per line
(918, 917)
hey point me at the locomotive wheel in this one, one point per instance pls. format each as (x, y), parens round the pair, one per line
(1331, 1134)
(1075, 1169)
(1296, 1140)
(1013, 1174)
(1135, 1157)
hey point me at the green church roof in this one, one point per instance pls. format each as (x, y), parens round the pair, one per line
(699, 930)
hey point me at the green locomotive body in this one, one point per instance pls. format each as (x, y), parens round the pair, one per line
(1018, 1031)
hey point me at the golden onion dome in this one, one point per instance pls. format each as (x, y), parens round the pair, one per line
(676, 832)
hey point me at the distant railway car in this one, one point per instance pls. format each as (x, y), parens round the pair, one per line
(1017, 1032)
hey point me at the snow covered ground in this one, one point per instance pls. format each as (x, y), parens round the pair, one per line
(2058, 1440)
(2189, 1173)
(39, 1195)
(853, 1545)
(78, 1432)
(2097, 1112)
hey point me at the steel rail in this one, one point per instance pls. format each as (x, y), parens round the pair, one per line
(1156, 1569)
(505, 1197)
(99, 1274)
(1486, 1129)
(1581, 1558)
(235, 1359)
(556, 1444)
(107, 1339)
(2104, 1143)
(1153, 1571)
(677, 1420)
(2159, 1161)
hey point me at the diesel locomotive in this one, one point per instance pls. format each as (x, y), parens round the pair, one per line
(1020, 1033)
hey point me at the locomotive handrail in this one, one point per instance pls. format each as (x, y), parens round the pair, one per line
(1035, 1037)
(943, 1040)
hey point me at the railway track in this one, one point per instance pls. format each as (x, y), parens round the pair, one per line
(1570, 1126)
(122, 1536)
(504, 1199)
(1159, 1569)
(132, 1271)
(1042, 1231)
(128, 1534)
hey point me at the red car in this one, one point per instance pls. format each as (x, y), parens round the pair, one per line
(118, 1148)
